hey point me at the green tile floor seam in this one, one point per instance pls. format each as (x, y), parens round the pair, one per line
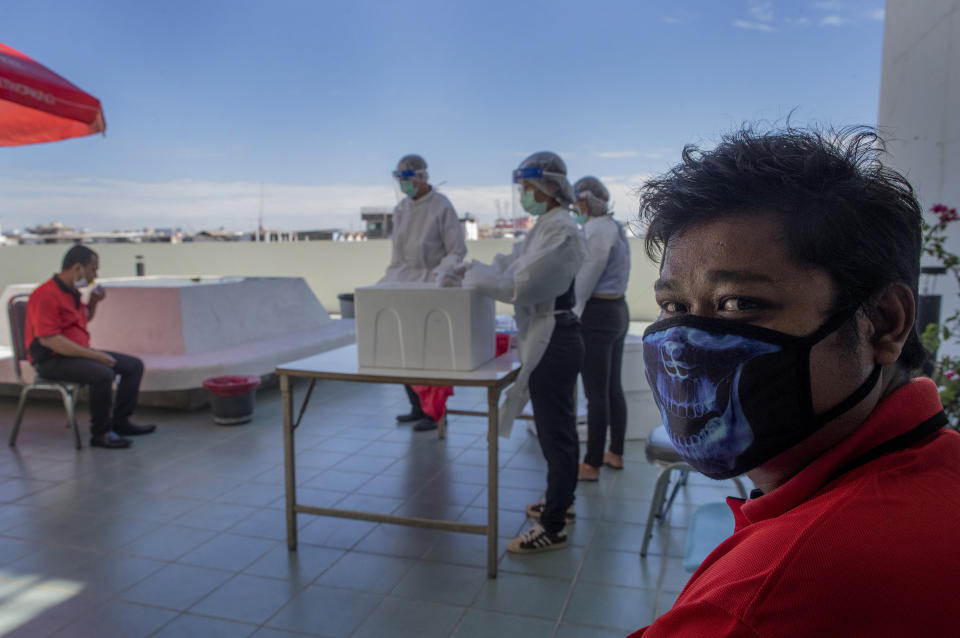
(254, 627)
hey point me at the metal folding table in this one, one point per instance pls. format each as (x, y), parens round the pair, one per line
(341, 364)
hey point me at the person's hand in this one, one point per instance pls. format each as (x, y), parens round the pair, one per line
(97, 294)
(104, 358)
(451, 280)
(452, 277)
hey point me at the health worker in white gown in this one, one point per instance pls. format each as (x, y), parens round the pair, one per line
(427, 235)
(537, 278)
(427, 240)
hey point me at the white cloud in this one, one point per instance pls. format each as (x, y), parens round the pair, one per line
(756, 26)
(102, 204)
(623, 193)
(876, 14)
(680, 16)
(830, 5)
(834, 21)
(761, 11)
(615, 154)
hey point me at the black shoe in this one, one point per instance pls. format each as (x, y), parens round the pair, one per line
(425, 424)
(132, 429)
(110, 440)
(410, 418)
(537, 539)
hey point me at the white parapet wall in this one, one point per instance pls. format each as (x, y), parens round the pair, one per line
(187, 329)
(328, 267)
(919, 112)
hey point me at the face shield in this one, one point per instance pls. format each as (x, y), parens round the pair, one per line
(408, 181)
(535, 178)
(519, 178)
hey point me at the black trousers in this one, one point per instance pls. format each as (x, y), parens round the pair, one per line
(415, 406)
(604, 323)
(100, 379)
(552, 385)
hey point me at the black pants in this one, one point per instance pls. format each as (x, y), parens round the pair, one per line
(415, 406)
(552, 386)
(605, 323)
(100, 379)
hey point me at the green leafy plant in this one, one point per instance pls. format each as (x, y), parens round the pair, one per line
(945, 369)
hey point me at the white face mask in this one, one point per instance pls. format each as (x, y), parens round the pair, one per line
(80, 283)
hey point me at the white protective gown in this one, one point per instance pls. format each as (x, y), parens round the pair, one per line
(602, 233)
(539, 269)
(427, 237)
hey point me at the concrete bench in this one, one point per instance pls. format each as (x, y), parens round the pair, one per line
(189, 329)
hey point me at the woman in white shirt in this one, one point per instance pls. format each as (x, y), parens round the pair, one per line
(600, 288)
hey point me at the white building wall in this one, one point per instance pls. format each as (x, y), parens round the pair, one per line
(919, 112)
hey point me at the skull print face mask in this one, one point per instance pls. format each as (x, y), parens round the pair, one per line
(732, 395)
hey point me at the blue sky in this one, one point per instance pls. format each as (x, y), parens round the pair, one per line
(205, 99)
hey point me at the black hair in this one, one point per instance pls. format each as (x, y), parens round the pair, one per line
(78, 254)
(842, 210)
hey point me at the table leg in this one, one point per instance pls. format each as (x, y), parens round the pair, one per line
(493, 489)
(286, 394)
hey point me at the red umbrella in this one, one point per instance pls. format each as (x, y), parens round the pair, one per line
(37, 105)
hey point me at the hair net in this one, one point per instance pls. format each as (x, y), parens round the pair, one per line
(553, 176)
(411, 167)
(594, 193)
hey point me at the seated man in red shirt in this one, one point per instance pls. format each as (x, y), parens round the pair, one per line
(789, 264)
(58, 345)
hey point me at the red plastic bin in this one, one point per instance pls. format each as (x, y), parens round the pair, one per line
(232, 398)
(231, 386)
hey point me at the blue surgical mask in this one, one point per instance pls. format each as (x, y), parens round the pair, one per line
(733, 395)
(531, 205)
(407, 187)
(581, 218)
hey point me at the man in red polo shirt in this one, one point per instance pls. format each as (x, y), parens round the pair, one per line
(58, 345)
(789, 264)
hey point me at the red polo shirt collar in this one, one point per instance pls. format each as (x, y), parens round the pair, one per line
(900, 412)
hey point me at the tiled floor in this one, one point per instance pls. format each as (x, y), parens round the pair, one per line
(183, 535)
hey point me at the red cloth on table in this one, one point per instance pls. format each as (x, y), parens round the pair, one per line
(433, 398)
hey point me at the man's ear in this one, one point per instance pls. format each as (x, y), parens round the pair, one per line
(893, 314)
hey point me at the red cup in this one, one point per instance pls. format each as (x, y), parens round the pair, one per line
(503, 342)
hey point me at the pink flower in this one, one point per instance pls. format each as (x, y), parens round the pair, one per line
(950, 374)
(944, 214)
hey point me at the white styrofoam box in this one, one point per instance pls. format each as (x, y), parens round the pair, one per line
(420, 326)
